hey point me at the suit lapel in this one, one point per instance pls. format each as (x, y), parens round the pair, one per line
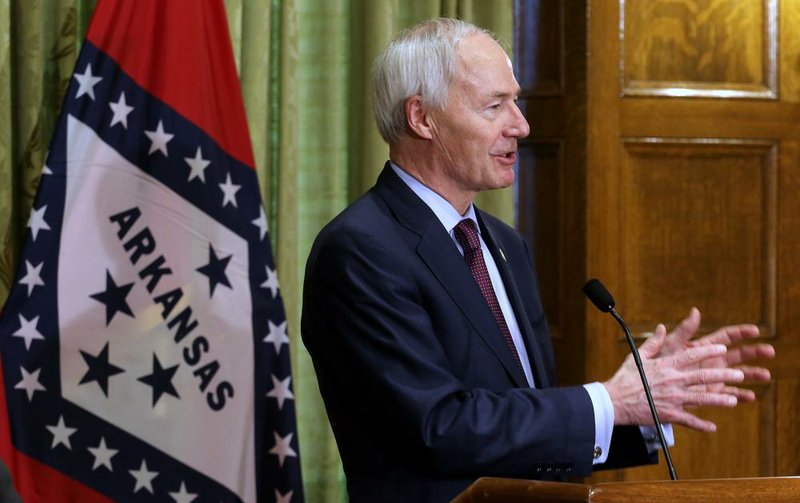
(449, 267)
(508, 277)
(437, 250)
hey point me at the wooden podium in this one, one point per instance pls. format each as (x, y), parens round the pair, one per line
(750, 490)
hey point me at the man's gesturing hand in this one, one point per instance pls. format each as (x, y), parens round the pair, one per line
(684, 373)
(680, 339)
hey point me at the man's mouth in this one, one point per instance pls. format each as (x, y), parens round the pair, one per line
(509, 157)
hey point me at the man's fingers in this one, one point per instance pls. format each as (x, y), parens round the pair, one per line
(710, 399)
(756, 374)
(751, 352)
(741, 394)
(687, 328)
(653, 344)
(678, 416)
(712, 376)
(729, 335)
(697, 354)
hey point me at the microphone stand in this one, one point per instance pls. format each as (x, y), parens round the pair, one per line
(637, 359)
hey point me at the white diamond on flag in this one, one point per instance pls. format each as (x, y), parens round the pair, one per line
(112, 223)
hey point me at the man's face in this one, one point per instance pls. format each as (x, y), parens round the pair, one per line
(477, 131)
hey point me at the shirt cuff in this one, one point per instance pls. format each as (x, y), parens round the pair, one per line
(650, 436)
(603, 421)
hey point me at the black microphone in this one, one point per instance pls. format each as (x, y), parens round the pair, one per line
(603, 300)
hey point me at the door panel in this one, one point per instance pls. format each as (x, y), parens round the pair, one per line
(675, 180)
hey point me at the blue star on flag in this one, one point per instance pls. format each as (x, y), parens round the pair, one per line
(114, 298)
(100, 369)
(215, 270)
(160, 380)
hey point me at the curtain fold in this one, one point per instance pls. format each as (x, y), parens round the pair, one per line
(305, 71)
(37, 53)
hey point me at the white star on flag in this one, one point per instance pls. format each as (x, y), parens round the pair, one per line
(86, 82)
(37, 223)
(283, 498)
(144, 478)
(198, 166)
(261, 222)
(271, 282)
(277, 335)
(280, 390)
(121, 111)
(182, 496)
(159, 139)
(28, 331)
(32, 276)
(102, 455)
(30, 382)
(46, 170)
(282, 448)
(229, 190)
(61, 433)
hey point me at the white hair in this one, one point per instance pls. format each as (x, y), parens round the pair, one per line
(420, 61)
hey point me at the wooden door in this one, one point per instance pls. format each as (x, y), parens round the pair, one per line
(686, 117)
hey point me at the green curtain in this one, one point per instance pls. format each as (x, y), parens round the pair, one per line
(304, 67)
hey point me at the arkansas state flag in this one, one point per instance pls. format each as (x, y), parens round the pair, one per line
(144, 346)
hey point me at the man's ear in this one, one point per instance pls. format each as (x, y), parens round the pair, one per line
(417, 118)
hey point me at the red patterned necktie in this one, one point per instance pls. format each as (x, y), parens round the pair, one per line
(467, 236)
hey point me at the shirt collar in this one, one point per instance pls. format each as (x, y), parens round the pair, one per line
(444, 211)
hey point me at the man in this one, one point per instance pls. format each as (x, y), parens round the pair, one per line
(422, 313)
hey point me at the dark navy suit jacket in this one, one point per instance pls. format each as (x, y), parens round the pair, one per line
(421, 390)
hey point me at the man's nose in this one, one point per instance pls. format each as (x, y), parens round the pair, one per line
(519, 127)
